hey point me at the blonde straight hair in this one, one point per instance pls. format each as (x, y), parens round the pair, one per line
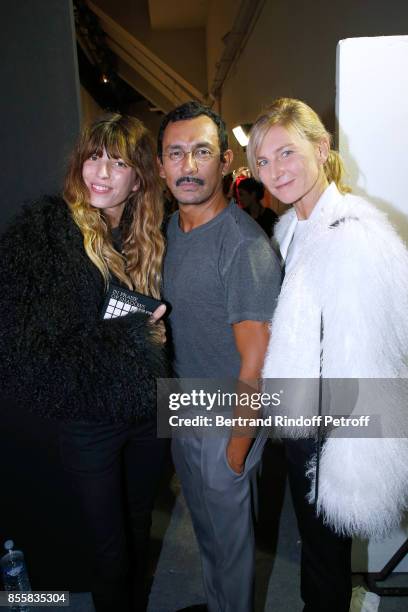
(295, 114)
(139, 265)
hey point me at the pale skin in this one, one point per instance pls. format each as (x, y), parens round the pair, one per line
(110, 181)
(199, 202)
(291, 168)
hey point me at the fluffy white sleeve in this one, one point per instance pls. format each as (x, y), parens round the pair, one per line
(365, 300)
(363, 483)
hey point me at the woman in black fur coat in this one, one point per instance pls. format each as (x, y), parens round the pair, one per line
(97, 377)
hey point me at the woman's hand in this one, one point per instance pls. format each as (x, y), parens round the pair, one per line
(158, 313)
(160, 329)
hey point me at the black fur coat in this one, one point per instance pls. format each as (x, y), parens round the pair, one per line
(57, 356)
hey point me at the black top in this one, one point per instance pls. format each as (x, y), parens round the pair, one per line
(116, 234)
(56, 354)
(267, 220)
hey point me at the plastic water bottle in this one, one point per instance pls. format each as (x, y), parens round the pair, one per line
(14, 574)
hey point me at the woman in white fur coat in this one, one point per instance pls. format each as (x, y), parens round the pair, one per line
(342, 313)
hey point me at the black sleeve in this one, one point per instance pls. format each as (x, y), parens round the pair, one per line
(57, 356)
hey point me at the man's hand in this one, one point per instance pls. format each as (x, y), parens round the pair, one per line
(235, 462)
(251, 339)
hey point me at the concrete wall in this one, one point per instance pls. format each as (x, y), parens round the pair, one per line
(219, 22)
(292, 52)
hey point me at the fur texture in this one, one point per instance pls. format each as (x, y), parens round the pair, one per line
(57, 356)
(353, 269)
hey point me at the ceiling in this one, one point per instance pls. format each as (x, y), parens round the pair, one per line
(120, 58)
(178, 14)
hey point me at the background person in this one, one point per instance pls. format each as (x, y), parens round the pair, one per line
(341, 314)
(251, 192)
(97, 377)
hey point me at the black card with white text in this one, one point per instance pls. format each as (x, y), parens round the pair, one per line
(120, 302)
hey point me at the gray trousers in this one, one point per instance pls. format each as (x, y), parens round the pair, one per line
(220, 503)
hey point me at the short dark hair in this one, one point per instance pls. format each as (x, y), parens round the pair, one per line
(252, 186)
(191, 110)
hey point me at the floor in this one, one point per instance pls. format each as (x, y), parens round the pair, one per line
(176, 564)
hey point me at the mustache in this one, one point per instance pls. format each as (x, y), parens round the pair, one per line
(189, 179)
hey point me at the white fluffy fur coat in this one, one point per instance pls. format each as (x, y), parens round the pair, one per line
(355, 274)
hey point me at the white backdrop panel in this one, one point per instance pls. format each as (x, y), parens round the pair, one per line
(372, 116)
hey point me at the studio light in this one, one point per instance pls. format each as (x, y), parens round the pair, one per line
(241, 133)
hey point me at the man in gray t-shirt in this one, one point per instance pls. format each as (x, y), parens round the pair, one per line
(222, 280)
(216, 275)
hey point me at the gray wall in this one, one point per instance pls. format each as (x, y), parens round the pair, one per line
(292, 52)
(40, 113)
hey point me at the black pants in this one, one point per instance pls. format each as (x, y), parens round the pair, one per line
(326, 557)
(115, 470)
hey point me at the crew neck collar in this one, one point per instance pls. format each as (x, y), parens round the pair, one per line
(204, 226)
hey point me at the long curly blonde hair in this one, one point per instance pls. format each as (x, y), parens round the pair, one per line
(139, 265)
(293, 113)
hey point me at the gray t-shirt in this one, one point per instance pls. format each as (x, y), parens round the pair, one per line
(219, 273)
